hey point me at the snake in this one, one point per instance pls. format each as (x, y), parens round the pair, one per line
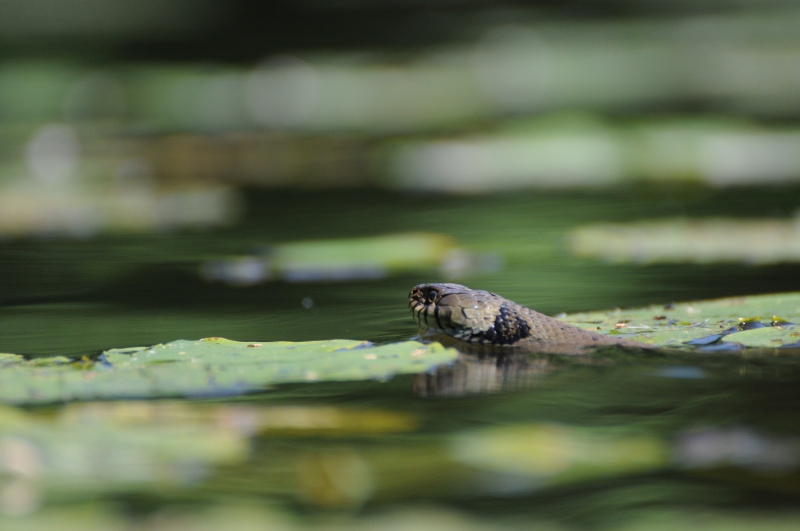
(467, 317)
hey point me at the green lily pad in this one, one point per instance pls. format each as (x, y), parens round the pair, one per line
(773, 336)
(677, 324)
(213, 366)
(343, 259)
(72, 456)
(557, 454)
(753, 241)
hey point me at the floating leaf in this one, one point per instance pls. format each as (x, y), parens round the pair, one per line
(246, 419)
(212, 366)
(348, 259)
(75, 456)
(131, 446)
(681, 240)
(772, 336)
(81, 211)
(558, 453)
(704, 322)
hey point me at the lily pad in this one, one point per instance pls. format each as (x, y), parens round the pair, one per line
(757, 241)
(338, 259)
(773, 336)
(697, 323)
(70, 457)
(245, 419)
(211, 367)
(557, 454)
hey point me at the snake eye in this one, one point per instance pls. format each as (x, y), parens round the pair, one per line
(432, 294)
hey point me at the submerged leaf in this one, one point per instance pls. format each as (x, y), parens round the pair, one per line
(213, 366)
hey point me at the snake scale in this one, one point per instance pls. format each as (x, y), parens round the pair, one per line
(484, 319)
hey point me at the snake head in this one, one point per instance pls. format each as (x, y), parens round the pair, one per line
(473, 316)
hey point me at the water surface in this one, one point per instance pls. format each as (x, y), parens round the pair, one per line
(641, 438)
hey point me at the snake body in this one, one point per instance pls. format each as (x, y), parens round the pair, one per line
(482, 318)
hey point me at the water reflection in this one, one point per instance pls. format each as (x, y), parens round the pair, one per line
(475, 373)
(344, 457)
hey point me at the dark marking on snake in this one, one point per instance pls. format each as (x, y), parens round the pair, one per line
(436, 314)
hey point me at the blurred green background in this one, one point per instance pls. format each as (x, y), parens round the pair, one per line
(287, 171)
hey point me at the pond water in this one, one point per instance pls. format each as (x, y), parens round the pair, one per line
(625, 440)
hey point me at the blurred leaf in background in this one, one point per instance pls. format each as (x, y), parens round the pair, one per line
(372, 146)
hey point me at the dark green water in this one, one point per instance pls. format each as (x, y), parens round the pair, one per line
(79, 297)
